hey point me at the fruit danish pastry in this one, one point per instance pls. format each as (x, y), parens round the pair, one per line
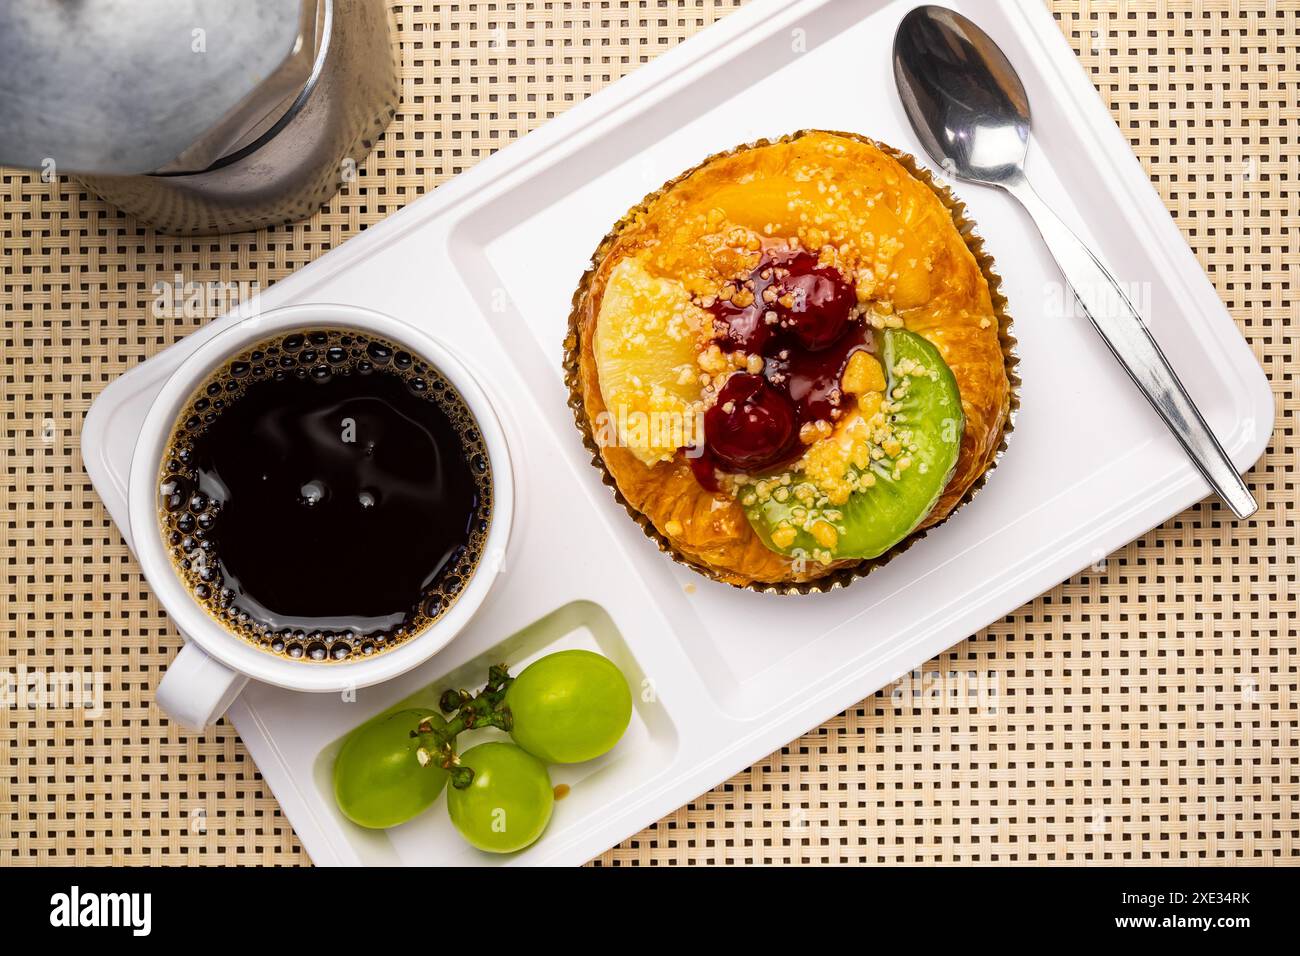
(789, 361)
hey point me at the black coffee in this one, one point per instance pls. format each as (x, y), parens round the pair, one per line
(326, 495)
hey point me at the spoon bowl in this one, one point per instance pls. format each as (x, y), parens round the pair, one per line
(963, 96)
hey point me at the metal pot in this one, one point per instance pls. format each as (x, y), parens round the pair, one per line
(198, 116)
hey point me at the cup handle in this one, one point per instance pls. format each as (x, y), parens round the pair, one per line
(196, 690)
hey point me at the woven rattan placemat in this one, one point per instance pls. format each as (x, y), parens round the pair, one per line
(1145, 711)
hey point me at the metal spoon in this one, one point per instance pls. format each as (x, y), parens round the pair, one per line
(969, 108)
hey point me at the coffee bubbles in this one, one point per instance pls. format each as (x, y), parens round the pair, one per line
(325, 495)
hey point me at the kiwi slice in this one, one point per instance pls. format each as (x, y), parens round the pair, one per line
(894, 492)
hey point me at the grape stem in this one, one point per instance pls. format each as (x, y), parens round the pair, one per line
(472, 711)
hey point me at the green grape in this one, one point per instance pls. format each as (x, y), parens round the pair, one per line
(569, 706)
(378, 780)
(508, 804)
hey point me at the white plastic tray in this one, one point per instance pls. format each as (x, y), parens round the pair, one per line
(489, 263)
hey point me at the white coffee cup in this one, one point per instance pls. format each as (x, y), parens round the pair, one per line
(215, 664)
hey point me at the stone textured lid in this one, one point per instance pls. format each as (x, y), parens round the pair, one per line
(138, 86)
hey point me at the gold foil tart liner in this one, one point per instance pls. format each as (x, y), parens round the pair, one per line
(841, 577)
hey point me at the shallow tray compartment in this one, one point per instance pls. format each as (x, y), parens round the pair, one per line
(647, 748)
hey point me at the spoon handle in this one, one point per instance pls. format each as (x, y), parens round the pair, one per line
(1127, 336)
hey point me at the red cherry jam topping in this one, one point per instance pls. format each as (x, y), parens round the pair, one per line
(751, 426)
(704, 467)
(741, 328)
(798, 315)
(789, 295)
(811, 380)
(814, 301)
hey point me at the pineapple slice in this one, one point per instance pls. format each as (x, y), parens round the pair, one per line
(649, 336)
